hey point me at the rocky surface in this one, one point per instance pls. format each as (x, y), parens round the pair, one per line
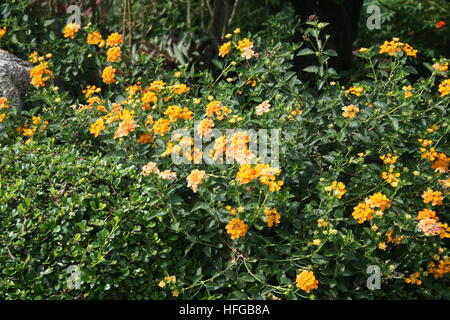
(14, 78)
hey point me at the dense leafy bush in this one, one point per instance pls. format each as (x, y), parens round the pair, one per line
(89, 179)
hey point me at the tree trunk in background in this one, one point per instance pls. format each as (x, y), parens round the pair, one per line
(343, 18)
(221, 10)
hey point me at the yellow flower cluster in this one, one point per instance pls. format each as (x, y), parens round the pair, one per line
(306, 281)
(365, 210)
(70, 30)
(433, 197)
(95, 38)
(439, 270)
(41, 73)
(30, 130)
(3, 32)
(236, 228)
(444, 87)
(390, 176)
(357, 91)
(214, 108)
(272, 217)
(414, 279)
(393, 46)
(264, 172)
(4, 104)
(195, 178)
(442, 67)
(350, 111)
(338, 189)
(233, 211)
(389, 158)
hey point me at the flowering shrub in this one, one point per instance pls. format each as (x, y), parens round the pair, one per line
(145, 212)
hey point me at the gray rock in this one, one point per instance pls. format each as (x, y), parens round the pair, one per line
(14, 78)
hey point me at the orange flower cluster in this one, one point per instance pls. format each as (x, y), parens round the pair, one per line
(236, 228)
(393, 46)
(389, 158)
(40, 74)
(70, 30)
(30, 130)
(3, 32)
(365, 210)
(214, 108)
(433, 197)
(442, 67)
(176, 112)
(414, 279)
(95, 38)
(3, 106)
(272, 217)
(338, 189)
(439, 270)
(355, 90)
(195, 178)
(390, 176)
(264, 172)
(444, 87)
(306, 281)
(113, 54)
(109, 75)
(225, 49)
(350, 111)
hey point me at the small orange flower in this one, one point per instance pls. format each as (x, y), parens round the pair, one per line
(70, 30)
(440, 24)
(306, 281)
(108, 75)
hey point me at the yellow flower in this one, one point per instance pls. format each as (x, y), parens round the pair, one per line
(70, 30)
(175, 293)
(362, 212)
(204, 128)
(441, 67)
(355, 90)
(391, 177)
(94, 38)
(244, 44)
(382, 246)
(350, 111)
(97, 127)
(113, 54)
(225, 49)
(306, 281)
(444, 87)
(237, 30)
(236, 228)
(108, 75)
(161, 126)
(316, 242)
(36, 120)
(114, 39)
(4, 103)
(272, 217)
(391, 47)
(3, 32)
(195, 178)
(338, 188)
(378, 200)
(2, 117)
(435, 197)
(413, 279)
(409, 51)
